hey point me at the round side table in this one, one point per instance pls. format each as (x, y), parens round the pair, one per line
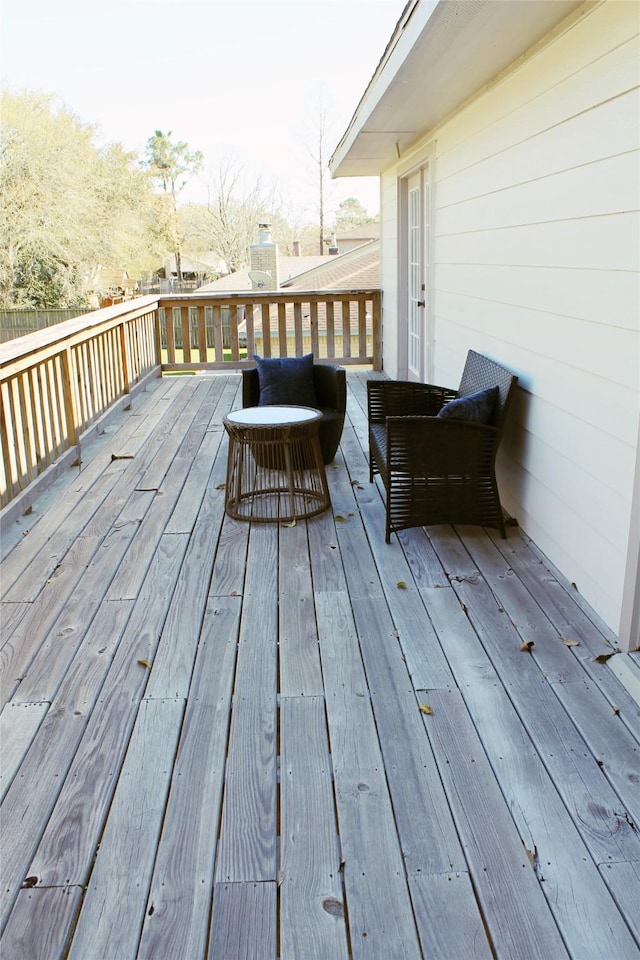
(275, 470)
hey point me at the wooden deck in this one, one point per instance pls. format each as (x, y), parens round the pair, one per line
(223, 740)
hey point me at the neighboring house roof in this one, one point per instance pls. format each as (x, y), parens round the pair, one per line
(439, 55)
(288, 267)
(364, 232)
(356, 269)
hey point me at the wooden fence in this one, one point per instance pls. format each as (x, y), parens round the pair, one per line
(19, 323)
(56, 384)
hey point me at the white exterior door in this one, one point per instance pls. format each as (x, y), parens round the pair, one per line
(417, 274)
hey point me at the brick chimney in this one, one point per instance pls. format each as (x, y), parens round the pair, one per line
(263, 257)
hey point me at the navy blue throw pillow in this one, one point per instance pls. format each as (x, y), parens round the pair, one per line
(477, 407)
(286, 380)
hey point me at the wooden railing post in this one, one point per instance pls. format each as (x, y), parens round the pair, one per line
(124, 358)
(69, 397)
(158, 335)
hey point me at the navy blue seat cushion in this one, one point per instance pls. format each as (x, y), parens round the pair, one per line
(477, 407)
(287, 380)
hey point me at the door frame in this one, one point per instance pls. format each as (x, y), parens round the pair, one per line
(422, 166)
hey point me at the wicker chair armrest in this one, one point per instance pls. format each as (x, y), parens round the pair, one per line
(393, 398)
(330, 383)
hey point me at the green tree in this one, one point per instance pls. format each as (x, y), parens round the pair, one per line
(172, 165)
(67, 207)
(351, 214)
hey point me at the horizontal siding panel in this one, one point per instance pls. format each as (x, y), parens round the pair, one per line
(575, 547)
(558, 428)
(593, 501)
(608, 353)
(579, 67)
(596, 189)
(599, 403)
(608, 297)
(601, 243)
(554, 149)
(600, 96)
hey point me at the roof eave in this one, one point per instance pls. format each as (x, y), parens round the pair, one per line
(441, 54)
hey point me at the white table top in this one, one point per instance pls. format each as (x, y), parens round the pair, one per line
(272, 416)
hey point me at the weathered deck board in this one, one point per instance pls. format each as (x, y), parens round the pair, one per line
(312, 915)
(300, 672)
(19, 724)
(522, 926)
(213, 743)
(448, 917)
(121, 874)
(593, 805)
(248, 833)
(175, 923)
(380, 916)
(244, 921)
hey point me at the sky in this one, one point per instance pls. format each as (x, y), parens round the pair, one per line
(243, 81)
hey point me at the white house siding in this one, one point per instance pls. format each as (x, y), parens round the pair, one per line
(535, 192)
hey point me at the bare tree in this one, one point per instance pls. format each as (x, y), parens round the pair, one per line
(237, 203)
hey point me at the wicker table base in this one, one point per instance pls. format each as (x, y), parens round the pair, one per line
(275, 470)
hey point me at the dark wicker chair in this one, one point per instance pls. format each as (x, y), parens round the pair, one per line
(437, 470)
(330, 385)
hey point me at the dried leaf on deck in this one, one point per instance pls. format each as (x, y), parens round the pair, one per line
(571, 643)
(122, 456)
(532, 855)
(526, 646)
(220, 486)
(603, 657)
(616, 710)
(339, 518)
(401, 585)
(292, 523)
(145, 663)
(425, 708)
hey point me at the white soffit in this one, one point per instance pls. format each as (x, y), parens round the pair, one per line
(441, 53)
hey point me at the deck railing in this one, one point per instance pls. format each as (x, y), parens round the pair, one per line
(58, 383)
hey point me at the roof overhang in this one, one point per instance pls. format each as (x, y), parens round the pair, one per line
(442, 52)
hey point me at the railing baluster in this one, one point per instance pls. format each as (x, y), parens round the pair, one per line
(186, 334)
(297, 328)
(202, 334)
(218, 344)
(266, 330)
(345, 306)
(282, 329)
(331, 339)
(313, 323)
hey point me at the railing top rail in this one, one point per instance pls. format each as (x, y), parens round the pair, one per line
(270, 296)
(22, 347)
